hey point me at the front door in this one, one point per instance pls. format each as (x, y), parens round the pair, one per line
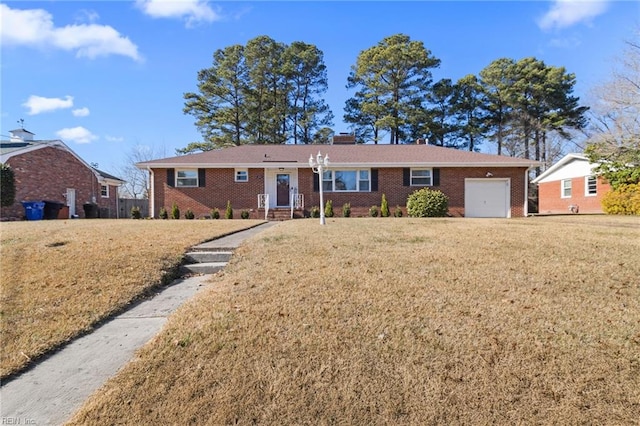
(71, 201)
(282, 189)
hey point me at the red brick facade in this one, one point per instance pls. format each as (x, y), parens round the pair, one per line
(551, 200)
(47, 173)
(220, 187)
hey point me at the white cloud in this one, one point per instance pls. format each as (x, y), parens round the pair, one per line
(114, 138)
(565, 13)
(192, 11)
(39, 104)
(77, 135)
(81, 112)
(35, 28)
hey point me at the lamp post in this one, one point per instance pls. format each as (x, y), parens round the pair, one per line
(319, 166)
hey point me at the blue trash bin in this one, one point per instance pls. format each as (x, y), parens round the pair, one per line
(33, 210)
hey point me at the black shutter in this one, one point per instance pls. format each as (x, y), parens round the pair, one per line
(374, 180)
(406, 177)
(171, 177)
(201, 177)
(316, 182)
(436, 177)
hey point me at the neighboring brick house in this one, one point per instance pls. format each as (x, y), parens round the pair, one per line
(570, 186)
(250, 176)
(48, 170)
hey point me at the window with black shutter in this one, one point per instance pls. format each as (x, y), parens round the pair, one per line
(201, 177)
(374, 180)
(171, 177)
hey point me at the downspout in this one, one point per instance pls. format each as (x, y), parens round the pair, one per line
(152, 207)
(526, 191)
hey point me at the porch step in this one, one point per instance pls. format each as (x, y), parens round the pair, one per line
(281, 214)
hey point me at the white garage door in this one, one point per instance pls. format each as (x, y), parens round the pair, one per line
(487, 198)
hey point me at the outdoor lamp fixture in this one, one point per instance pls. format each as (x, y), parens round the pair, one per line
(319, 165)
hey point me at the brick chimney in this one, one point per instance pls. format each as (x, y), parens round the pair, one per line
(343, 139)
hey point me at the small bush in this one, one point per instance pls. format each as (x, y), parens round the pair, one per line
(373, 211)
(135, 213)
(244, 214)
(624, 200)
(175, 211)
(427, 202)
(164, 214)
(384, 207)
(397, 212)
(228, 214)
(315, 212)
(346, 210)
(215, 214)
(189, 214)
(328, 209)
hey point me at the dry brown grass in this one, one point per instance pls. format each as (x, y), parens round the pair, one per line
(402, 321)
(61, 277)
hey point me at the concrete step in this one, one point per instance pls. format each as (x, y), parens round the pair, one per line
(203, 268)
(207, 256)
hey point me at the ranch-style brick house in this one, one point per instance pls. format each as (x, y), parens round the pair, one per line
(48, 170)
(276, 182)
(570, 186)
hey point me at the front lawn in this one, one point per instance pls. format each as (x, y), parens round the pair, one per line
(61, 277)
(402, 321)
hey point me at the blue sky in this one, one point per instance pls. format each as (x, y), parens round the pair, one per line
(107, 76)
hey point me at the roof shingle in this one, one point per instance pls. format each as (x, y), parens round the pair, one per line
(269, 156)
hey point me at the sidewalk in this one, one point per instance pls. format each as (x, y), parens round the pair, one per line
(50, 392)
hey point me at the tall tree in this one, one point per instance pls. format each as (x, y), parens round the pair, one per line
(438, 125)
(267, 90)
(390, 77)
(527, 100)
(307, 75)
(614, 140)
(469, 109)
(220, 107)
(496, 80)
(264, 92)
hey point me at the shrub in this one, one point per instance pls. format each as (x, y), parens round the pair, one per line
(397, 212)
(427, 202)
(164, 214)
(135, 213)
(175, 211)
(624, 200)
(7, 185)
(373, 211)
(228, 214)
(244, 214)
(328, 209)
(384, 207)
(346, 210)
(315, 212)
(189, 214)
(215, 214)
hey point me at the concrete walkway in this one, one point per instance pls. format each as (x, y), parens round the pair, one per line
(50, 392)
